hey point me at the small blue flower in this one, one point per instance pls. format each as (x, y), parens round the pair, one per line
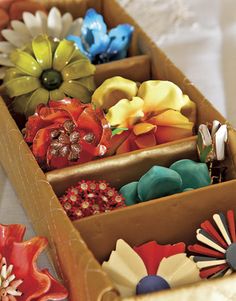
(99, 45)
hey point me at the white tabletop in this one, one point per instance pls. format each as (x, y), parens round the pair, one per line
(200, 37)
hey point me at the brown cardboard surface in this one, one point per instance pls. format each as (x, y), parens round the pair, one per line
(75, 263)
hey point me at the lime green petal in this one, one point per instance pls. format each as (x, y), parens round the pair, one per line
(12, 73)
(78, 69)
(22, 85)
(88, 82)
(74, 89)
(57, 94)
(19, 103)
(78, 56)
(25, 63)
(63, 54)
(37, 97)
(43, 51)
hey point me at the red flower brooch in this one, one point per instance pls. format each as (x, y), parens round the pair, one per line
(20, 279)
(66, 132)
(89, 198)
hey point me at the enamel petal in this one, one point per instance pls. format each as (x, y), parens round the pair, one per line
(43, 51)
(178, 270)
(74, 89)
(33, 24)
(54, 23)
(67, 21)
(22, 85)
(63, 54)
(78, 69)
(13, 37)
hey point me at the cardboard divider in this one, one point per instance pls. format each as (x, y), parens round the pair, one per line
(129, 68)
(124, 168)
(167, 220)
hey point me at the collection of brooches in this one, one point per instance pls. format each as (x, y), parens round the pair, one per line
(48, 75)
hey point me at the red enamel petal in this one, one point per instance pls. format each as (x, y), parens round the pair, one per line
(23, 257)
(125, 147)
(90, 123)
(73, 107)
(41, 143)
(167, 134)
(18, 7)
(205, 251)
(116, 142)
(146, 140)
(153, 253)
(231, 223)
(211, 271)
(56, 290)
(208, 227)
(10, 234)
(33, 125)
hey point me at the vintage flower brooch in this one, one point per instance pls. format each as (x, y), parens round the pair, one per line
(89, 198)
(211, 144)
(20, 278)
(149, 115)
(159, 181)
(216, 253)
(48, 70)
(66, 132)
(22, 33)
(99, 45)
(149, 268)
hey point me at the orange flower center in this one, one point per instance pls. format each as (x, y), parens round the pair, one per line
(8, 283)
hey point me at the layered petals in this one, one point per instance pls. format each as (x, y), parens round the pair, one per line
(25, 280)
(67, 132)
(99, 45)
(48, 69)
(152, 114)
(149, 268)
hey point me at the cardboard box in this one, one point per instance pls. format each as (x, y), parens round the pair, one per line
(77, 248)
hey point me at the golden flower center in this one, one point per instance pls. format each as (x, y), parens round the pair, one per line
(8, 283)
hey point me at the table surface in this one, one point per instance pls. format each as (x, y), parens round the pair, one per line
(200, 37)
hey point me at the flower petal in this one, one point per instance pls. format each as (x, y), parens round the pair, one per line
(171, 125)
(172, 118)
(23, 256)
(146, 140)
(152, 254)
(63, 54)
(39, 96)
(112, 90)
(21, 28)
(178, 270)
(13, 37)
(22, 85)
(125, 267)
(74, 89)
(142, 128)
(10, 234)
(54, 23)
(161, 95)
(26, 63)
(120, 39)
(75, 28)
(33, 24)
(43, 51)
(116, 141)
(43, 19)
(78, 69)
(125, 113)
(12, 73)
(93, 21)
(67, 21)
(5, 61)
(6, 47)
(56, 291)
(88, 82)
(57, 94)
